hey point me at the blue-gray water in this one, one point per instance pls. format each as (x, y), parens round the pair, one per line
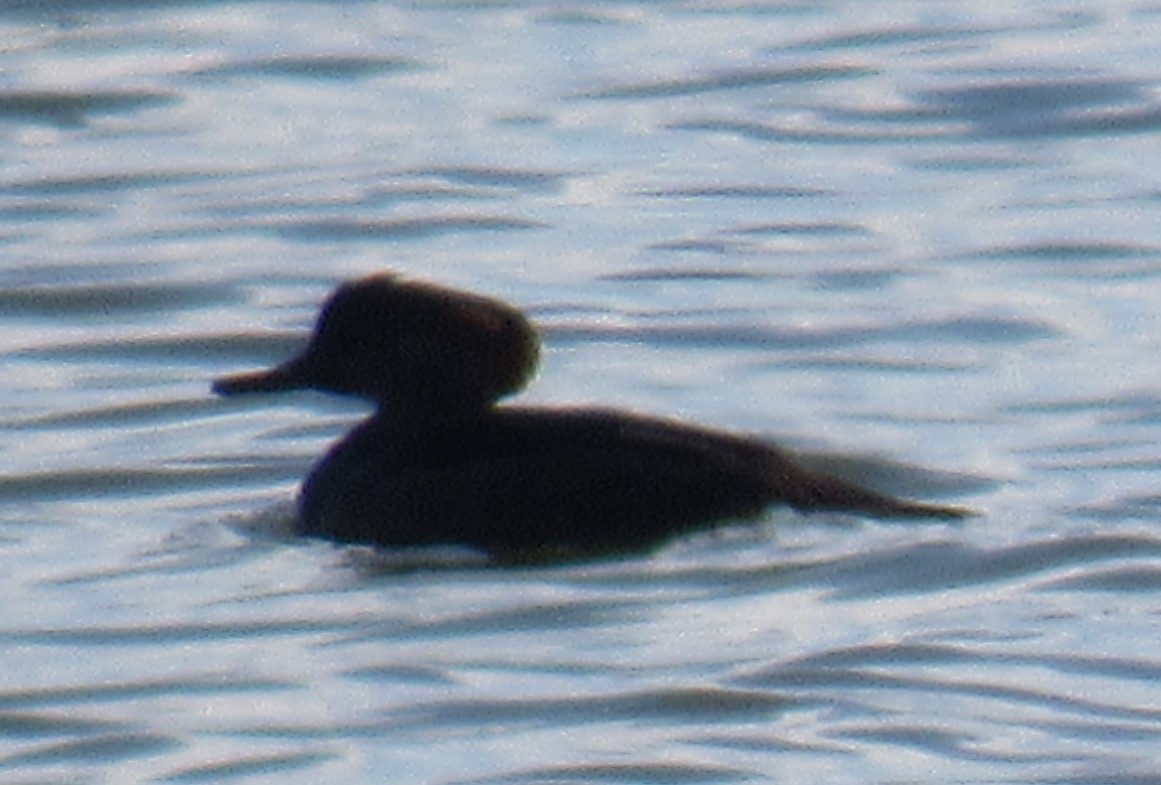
(904, 234)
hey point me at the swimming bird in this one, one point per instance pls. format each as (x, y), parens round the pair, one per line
(442, 462)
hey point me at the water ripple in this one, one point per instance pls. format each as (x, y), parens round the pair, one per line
(732, 79)
(136, 482)
(99, 749)
(1088, 259)
(971, 330)
(808, 679)
(249, 766)
(892, 36)
(905, 654)
(738, 192)
(694, 705)
(940, 566)
(73, 108)
(109, 299)
(193, 349)
(818, 134)
(642, 773)
(1020, 108)
(22, 725)
(323, 66)
(343, 229)
(527, 180)
(204, 685)
(1047, 107)
(103, 183)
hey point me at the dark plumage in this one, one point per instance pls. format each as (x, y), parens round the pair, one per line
(441, 463)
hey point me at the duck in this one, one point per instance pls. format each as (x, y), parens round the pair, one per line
(443, 462)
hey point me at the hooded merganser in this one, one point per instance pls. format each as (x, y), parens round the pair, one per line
(440, 463)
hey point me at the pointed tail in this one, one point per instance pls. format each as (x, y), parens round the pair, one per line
(812, 491)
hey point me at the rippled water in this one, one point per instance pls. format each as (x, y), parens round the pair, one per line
(896, 235)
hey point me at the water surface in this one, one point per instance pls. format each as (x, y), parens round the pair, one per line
(894, 235)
